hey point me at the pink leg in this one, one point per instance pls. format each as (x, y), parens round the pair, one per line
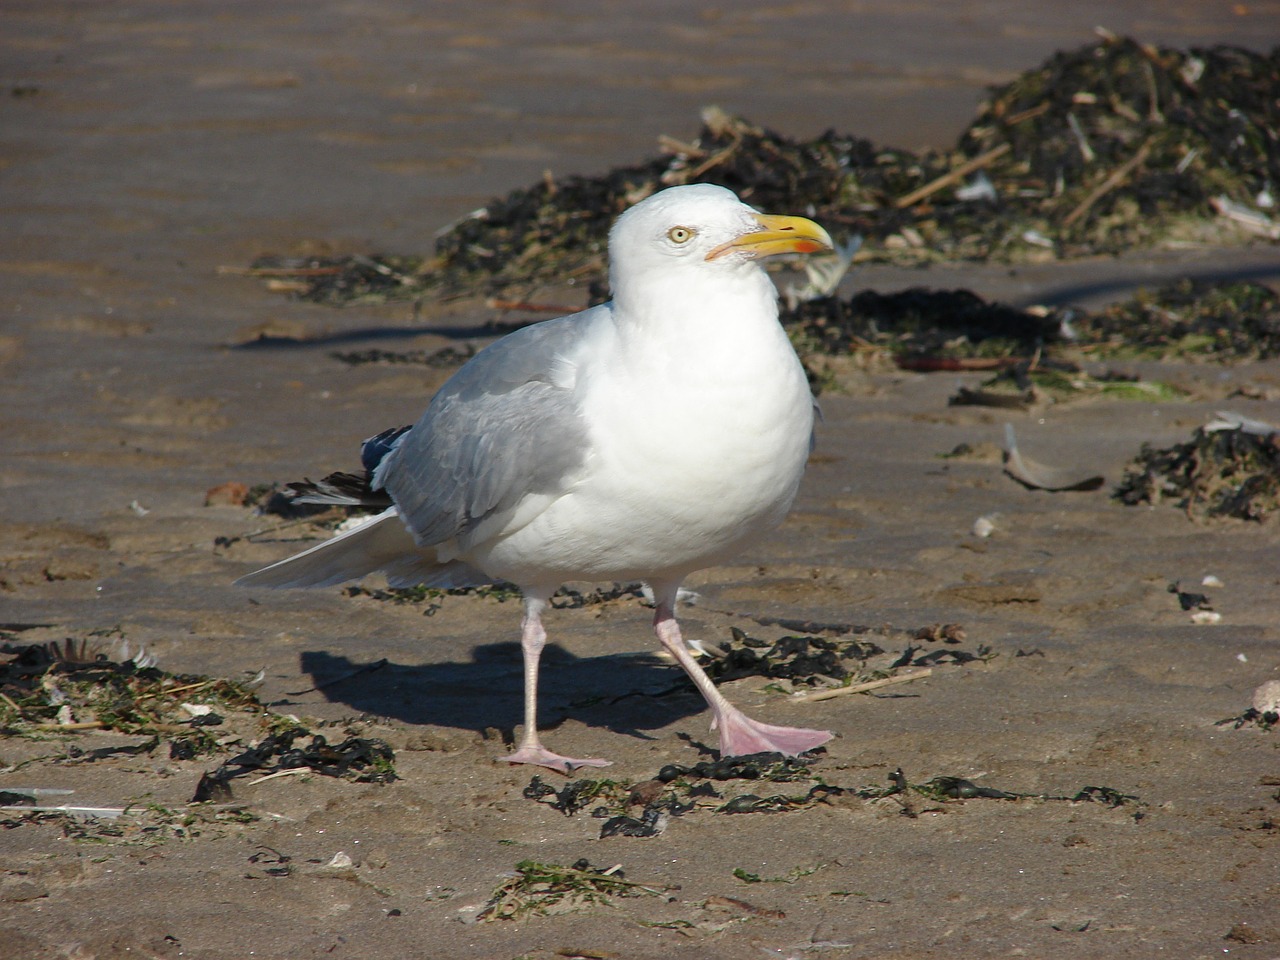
(739, 734)
(532, 639)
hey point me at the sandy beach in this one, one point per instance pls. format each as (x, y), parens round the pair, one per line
(151, 151)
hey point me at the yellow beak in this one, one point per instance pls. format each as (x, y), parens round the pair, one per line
(777, 235)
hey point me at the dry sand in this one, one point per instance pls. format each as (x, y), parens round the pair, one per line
(147, 144)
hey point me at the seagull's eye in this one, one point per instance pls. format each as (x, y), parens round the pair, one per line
(680, 234)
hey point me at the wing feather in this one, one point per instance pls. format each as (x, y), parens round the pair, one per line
(507, 425)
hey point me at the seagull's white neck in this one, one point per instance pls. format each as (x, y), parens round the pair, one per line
(690, 305)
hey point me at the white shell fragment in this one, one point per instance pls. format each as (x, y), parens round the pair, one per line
(979, 188)
(1266, 699)
(983, 527)
(1206, 616)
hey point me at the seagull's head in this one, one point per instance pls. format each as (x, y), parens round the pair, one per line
(705, 228)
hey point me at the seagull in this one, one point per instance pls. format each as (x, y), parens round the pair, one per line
(642, 439)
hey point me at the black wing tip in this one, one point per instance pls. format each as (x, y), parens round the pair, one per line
(376, 448)
(348, 489)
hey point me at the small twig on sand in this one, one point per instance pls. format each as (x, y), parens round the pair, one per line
(864, 687)
(959, 173)
(672, 145)
(170, 691)
(1026, 115)
(292, 771)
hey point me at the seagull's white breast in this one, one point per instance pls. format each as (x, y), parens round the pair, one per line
(699, 429)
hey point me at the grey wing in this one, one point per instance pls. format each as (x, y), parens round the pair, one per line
(507, 425)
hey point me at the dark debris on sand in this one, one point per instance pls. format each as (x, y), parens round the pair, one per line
(1187, 320)
(75, 684)
(802, 660)
(360, 759)
(535, 888)
(432, 598)
(444, 358)
(66, 688)
(824, 663)
(926, 329)
(713, 787)
(1262, 719)
(1217, 473)
(920, 324)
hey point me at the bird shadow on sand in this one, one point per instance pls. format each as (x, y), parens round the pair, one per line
(479, 331)
(1105, 289)
(624, 693)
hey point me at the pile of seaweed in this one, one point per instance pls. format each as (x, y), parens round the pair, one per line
(803, 660)
(76, 685)
(919, 325)
(1186, 320)
(535, 888)
(1115, 145)
(924, 329)
(1228, 472)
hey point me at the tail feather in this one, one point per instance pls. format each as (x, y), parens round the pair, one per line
(383, 544)
(382, 541)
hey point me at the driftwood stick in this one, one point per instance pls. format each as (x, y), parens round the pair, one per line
(864, 687)
(1118, 177)
(955, 175)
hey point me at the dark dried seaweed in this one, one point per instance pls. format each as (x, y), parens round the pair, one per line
(1217, 473)
(921, 329)
(1187, 320)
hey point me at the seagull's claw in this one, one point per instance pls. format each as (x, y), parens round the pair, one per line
(741, 736)
(542, 757)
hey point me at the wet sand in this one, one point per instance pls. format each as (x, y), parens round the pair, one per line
(146, 146)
